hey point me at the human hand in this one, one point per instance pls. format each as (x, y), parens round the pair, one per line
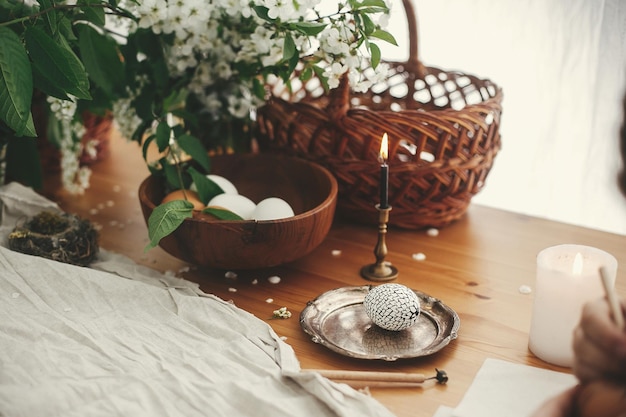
(599, 345)
(601, 398)
(561, 405)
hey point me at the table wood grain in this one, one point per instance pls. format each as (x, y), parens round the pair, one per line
(476, 266)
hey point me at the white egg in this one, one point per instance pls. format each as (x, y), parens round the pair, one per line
(392, 306)
(237, 203)
(272, 208)
(225, 184)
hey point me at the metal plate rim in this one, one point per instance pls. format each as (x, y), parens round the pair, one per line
(313, 315)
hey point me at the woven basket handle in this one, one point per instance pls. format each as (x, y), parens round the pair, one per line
(339, 97)
(413, 64)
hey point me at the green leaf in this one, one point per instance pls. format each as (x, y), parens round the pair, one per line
(46, 86)
(192, 146)
(163, 134)
(16, 84)
(176, 100)
(289, 47)
(140, 131)
(150, 44)
(50, 16)
(375, 53)
(368, 24)
(57, 63)
(306, 73)
(143, 104)
(189, 117)
(292, 64)
(385, 36)
(372, 10)
(319, 72)
(258, 89)
(94, 15)
(368, 3)
(308, 28)
(207, 188)
(171, 174)
(146, 147)
(262, 12)
(222, 214)
(165, 219)
(66, 29)
(101, 57)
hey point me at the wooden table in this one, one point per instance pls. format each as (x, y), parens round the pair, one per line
(476, 266)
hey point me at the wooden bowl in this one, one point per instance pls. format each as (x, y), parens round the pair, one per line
(310, 189)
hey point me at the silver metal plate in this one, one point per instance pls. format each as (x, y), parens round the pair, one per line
(337, 319)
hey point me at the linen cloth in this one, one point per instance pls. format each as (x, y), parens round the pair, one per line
(125, 340)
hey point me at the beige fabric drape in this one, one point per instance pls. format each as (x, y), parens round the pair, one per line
(125, 340)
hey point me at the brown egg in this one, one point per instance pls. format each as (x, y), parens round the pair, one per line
(192, 197)
(601, 398)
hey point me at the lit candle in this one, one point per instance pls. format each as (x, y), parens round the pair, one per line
(567, 278)
(384, 173)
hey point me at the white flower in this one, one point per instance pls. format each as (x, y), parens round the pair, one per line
(380, 75)
(91, 148)
(239, 106)
(152, 13)
(215, 50)
(223, 70)
(334, 73)
(281, 9)
(212, 103)
(62, 109)
(281, 313)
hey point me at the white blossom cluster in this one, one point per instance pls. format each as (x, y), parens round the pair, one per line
(75, 178)
(125, 114)
(211, 38)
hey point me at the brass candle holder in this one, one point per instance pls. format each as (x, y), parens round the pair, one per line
(381, 270)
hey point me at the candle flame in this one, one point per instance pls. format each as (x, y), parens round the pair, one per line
(577, 267)
(384, 148)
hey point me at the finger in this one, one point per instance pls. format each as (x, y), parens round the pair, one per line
(601, 398)
(561, 405)
(586, 373)
(597, 323)
(591, 361)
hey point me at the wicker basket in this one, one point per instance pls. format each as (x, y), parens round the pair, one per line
(443, 130)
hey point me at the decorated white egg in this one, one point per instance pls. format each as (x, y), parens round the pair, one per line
(237, 203)
(392, 306)
(225, 184)
(272, 208)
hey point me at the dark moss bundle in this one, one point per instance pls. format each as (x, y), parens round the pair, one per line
(58, 236)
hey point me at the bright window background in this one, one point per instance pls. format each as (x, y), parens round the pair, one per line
(562, 67)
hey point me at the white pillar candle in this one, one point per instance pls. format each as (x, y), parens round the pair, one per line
(567, 277)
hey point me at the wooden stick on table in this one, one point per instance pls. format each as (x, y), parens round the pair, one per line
(380, 379)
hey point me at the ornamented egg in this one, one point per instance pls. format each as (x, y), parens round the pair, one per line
(393, 307)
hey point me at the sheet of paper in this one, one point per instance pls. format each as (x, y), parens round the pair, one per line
(507, 389)
(444, 411)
